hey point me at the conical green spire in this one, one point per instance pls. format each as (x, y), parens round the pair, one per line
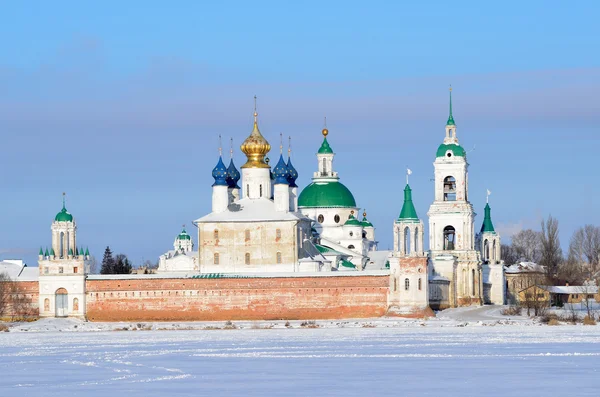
(52, 253)
(46, 253)
(71, 251)
(325, 148)
(41, 252)
(87, 252)
(408, 213)
(450, 118)
(487, 226)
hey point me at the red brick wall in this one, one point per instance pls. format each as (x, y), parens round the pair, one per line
(236, 299)
(23, 301)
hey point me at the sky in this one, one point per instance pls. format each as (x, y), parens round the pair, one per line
(120, 105)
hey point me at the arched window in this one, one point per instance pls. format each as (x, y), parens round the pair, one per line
(216, 258)
(279, 257)
(486, 250)
(417, 249)
(260, 187)
(216, 234)
(75, 304)
(473, 282)
(449, 238)
(336, 218)
(406, 284)
(320, 218)
(406, 241)
(494, 253)
(449, 189)
(62, 245)
(465, 282)
(351, 247)
(247, 190)
(278, 234)
(395, 284)
(247, 258)
(247, 234)
(364, 234)
(420, 284)
(46, 305)
(324, 172)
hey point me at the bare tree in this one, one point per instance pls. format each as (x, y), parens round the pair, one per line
(527, 245)
(534, 298)
(5, 292)
(551, 256)
(584, 247)
(509, 254)
(588, 290)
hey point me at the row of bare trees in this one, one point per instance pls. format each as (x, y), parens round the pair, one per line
(14, 303)
(581, 263)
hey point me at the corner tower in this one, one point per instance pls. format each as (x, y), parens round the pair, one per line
(488, 243)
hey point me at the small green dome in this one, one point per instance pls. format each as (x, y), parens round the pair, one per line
(183, 235)
(365, 222)
(352, 221)
(326, 194)
(63, 216)
(325, 148)
(457, 150)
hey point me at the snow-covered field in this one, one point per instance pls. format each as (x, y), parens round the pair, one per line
(445, 356)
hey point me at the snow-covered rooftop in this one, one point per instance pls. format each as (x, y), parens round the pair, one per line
(250, 210)
(524, 267)
(17, 270)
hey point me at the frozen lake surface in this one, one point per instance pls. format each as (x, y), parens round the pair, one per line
(515, 360)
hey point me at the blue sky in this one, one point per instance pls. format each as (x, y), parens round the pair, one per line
(120, 105)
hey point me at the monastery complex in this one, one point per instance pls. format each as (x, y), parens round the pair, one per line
(272, 250)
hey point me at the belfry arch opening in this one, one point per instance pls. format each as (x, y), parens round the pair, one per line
(406, 241)
(449, 238)
(449, 188)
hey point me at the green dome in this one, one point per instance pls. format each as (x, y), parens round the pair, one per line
(326, 194)
(457, 150)
(183, 235)
(352, 221)
(325, 148)
(63, 216)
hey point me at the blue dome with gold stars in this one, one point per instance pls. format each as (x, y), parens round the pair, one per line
(292, 174)
(280, 172)
(220, 173)
(233, 176)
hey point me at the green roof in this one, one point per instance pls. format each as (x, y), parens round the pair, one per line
(325, 148)
(52, 253)
(408, 213)
(488, 226)
(366, 223)
(87, 252)
(46, 253)
(352, 221)
(326, 194)
(326, 250)
(41, 252)
(457, 150)
(346, 263)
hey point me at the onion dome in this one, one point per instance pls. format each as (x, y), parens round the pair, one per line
(255, 147)
(352, 221)
(233, 176)
(365, 222)
(183, 235)
(408, 213)
(487, 226)
(325, 148)
(220, 173)
(63, 215)
(292, 173)
(280, 172)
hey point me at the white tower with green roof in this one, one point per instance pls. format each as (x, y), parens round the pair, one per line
(451, 228)
(63, 270)
(488, 242)
(408, 228)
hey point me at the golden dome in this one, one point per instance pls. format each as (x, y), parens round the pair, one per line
(255, 147)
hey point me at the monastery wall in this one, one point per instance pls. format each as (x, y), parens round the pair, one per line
(252, 298)
(22, 301)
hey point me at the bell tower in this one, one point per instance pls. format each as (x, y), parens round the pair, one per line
(451, 222)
